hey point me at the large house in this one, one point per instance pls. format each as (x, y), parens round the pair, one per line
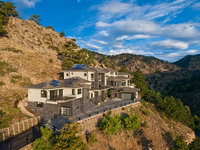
(81, 90)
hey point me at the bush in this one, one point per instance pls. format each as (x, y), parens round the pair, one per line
(144, 124)
(179, 144)
(25, 82)
(195, 145)
(68, 138)
(90, 138)
(51, 60)
(131, 122)
(2, 83)
(11, 49)
(49, 27)
(110, 124)
(62, 34)
(44, 142)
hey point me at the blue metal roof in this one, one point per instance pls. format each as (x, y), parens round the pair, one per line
(80, 66)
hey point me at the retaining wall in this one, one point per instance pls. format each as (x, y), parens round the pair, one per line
(90, 124)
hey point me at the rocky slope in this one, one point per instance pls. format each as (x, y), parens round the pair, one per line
(134, 62)
(191, 62)
(157, 133)
(28, 55)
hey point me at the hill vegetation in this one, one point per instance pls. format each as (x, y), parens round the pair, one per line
(132, 63)
(191, 62)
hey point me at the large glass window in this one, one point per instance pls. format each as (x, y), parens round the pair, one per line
(85, 74)
(79, 91)
(123, 83)
(43, 93)
(92, 76)
(73, 92)
(65, 111)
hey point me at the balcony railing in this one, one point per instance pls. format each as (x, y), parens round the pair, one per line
(62, 98)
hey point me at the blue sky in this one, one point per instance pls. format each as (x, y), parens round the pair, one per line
(168, 29)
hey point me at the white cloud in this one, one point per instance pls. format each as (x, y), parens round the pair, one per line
(115, 7)
(93, 46)
(104, 33)
(129, 50)
(138, 36)
(27, 3)
(175, 31)
(102, 24)
(196, 6)
(192, 51)
(169, 45)
(100, 41)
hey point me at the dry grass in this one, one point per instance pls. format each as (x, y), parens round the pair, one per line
(158, 134)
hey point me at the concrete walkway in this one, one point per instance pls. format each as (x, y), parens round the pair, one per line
(22, 105)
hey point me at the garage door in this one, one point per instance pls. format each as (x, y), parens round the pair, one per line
(127, 96)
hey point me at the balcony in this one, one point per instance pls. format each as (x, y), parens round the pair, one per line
(62, 98)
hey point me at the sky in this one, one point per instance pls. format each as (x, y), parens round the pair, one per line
(165, 29)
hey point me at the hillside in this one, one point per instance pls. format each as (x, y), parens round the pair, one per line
(191, 62)
(155, 132)
(133, 62)
(28, 55)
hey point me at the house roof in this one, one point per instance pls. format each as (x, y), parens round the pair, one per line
(117, 78)
(81, 67)
(74, 82)
(126, 89)
(110, 70)
(122, 73)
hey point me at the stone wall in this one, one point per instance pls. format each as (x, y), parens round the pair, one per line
(90, 124)
(18, 127)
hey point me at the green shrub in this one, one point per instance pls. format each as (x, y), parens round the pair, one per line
(110, 124)
(179, 144)
(144, 124)
(11, 49)
(49, 27)
(6, 68)
(69, 139)
(54, 48)
(25, 82)
(2, 83)
(44, 142)
(90, 138)
(51, 60)
(62, 34)
(131, 122)
(195, 145)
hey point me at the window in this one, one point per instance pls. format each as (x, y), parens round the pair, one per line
(91, 95)
(65, 111)
(111, 73)
(67, 74)
(85, 74)
(123, 83)
(79, 91)
(72, 73)
(39, 104)
(92, 85)
(43, 93)
(92, 76)
(73, 92)
(61, 93)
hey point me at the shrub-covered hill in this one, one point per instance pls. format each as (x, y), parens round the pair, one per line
(133, 62)
(155, 132)
(191, 62)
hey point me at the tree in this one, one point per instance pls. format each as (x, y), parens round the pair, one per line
(44, 142)
(110, 124)
(195, 145)
(131, 122)
(7, 9)
(140, 81)
(36, 19)
(179, 144)
(69, 139)
(62, 33)
(49, 27)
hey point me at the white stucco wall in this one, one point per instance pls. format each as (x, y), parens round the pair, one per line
(78, 74)
(34, 95)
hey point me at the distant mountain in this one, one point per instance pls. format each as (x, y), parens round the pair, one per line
(131, 63)
(191, 62)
